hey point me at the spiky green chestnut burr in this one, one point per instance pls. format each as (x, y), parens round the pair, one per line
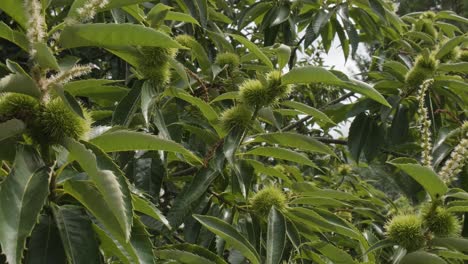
(154, 63)
(55, 121)
(238, 116)
(185, 40)
(344, 169)
(406, 231)
(464, 55)
(267, 197)
(452, 55)
(441, 222)
(276, 90)
(228, 58)
(254, 93)
(423, 69)
(19, 106)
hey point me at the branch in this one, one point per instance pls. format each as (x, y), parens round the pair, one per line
(293, 53)
(201, 82)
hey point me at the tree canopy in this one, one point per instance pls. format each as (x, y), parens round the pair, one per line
(211, 131)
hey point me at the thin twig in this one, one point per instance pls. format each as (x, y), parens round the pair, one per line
(201, 82)
(293, 53)
(224, 201)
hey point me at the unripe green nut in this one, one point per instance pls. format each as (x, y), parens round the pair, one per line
(154, 63)
(452, 55)
(227, 58)
(19, 106)
(238, 116)
(185, 40)
(464, 55)
(267, 197)
(254, 93)
(55, 121)
(344, 169)
(422, 70)
(276, 89)
(441, 222)
(406, 231)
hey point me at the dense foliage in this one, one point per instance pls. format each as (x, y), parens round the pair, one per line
(208, 131)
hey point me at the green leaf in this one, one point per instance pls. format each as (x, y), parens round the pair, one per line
(217, 16)
(77, 234)
(333, 253)
(14, 67)
(426, 177)
(205, 108)
(11, 128)
(450, 15)
(230, 234)
(90, 197)
(13, 36)
(69, 100)
(421, 257)
(319, 201)
(45, 245)
(254, 49)
(124, 140)
(379, 245)
(180, 70)
(22, 196)
(112, 35)
(202, 57)
(449, 46)
(189, 254)
(177, 16)
(309, 111)
(97, 90)
(183, 203)
(259, 167)
(367, 90)
(452, 254)
(310, 74)
(142, 205)
(276, 237)
(157, 14)
(281, 153)
(127, 107)
(283, 53)
(138, 250)
(19, 83)
(111, 248)
(253, 12)
(358, 134)
(226, 96)
(313, 74)
(108, 178)
(318, 223)
(294, 140)
(15, 10)
(456, 243)
(461, 67)
(44, 56)
(333, 194)
(455, 209)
